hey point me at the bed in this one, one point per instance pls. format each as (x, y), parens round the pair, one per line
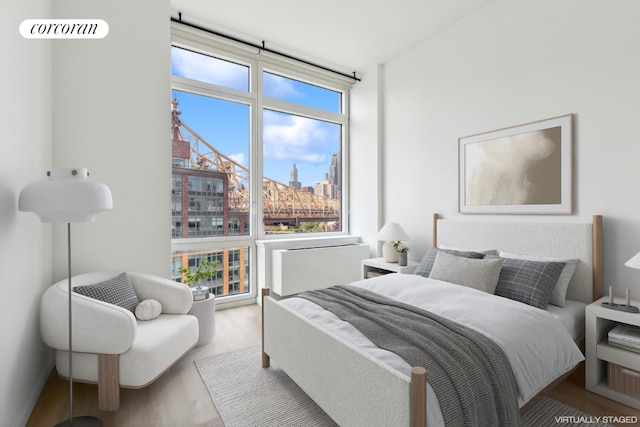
(357, 383)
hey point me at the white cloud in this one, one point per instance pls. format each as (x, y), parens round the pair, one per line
(207, 69)
(240, 158)
(288, 137)
(279, 87)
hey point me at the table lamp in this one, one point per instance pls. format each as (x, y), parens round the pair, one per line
(634, 262)
(67, 196)
(391, 233)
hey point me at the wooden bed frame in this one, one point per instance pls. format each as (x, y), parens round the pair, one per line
(332, 371)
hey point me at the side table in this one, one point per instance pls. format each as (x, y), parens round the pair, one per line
(600, 354)
(377, 266)
(205, 311)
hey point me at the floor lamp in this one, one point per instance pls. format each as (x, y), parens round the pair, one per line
(67, 196)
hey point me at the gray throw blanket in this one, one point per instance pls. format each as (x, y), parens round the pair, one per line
(469, 373)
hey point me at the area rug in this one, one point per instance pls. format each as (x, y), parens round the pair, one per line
(246, 395)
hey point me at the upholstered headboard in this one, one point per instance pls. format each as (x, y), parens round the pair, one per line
(552, 239)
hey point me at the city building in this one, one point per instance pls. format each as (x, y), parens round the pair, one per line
(293, 179)
(200, 208)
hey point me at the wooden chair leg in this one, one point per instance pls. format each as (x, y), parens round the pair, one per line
(108, 382)
(266, 360)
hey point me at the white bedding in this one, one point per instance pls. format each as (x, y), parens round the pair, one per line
(538, 346)
(571, 316)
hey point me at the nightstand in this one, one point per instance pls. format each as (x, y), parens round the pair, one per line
(378, 266)
(599, 354)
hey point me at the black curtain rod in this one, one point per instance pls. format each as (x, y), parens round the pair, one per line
(257, 46)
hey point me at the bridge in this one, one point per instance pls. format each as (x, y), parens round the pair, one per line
(282, 204)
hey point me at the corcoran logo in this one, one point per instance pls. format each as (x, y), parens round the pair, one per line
(64, 29)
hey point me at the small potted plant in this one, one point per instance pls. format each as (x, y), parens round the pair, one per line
(205, 271)
(402, 250)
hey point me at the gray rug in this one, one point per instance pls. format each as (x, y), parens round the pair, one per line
(246, 395)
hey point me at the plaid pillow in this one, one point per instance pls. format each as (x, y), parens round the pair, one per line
(530, 282)
(118, 291)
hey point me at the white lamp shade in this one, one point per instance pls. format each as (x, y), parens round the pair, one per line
(634, 262)
(67, 196)
(392, 231)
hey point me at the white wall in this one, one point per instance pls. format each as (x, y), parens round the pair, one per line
(100, 104)
(25, 243)
(511, 63)
(365, 175)
(111, 103)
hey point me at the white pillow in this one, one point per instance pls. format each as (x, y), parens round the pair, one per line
(148, 309)
(481, 274)
(559, 292)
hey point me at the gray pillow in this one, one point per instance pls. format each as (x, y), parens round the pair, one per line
(480, 251)
(481, 274)
(425, 266)
(529, 282)
(559, 293)
(118, 291)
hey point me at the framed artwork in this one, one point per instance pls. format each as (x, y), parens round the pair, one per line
(525, 169)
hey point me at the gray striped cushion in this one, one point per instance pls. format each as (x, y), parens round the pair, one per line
(425, 266)
(480, 274)
(530, 282)
(118, 291)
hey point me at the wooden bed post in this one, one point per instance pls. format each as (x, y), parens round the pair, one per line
(418, 397)
(266, 361)
(435, 230)
(597, 257)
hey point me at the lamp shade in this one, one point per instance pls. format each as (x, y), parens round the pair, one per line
(634, 262)
(392, 231)
(66, 196)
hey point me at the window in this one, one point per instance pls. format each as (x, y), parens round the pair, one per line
(291, 90)
(311, 199)
(252, 137)
(208, 69)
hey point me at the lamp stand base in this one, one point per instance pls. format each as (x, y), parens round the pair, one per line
(389, 253)
(81, 422)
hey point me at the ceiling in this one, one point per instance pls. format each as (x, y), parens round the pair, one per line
(346, 35)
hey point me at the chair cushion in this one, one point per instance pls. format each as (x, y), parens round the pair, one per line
(159, 343)
(118, 291)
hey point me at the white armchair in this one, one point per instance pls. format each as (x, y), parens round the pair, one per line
(110, 346)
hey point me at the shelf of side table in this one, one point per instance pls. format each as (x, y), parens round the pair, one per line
(379, 265)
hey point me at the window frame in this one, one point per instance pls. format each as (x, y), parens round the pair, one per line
(258, 62)
(295, 72)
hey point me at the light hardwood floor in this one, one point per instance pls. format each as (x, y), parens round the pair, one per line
(180, 399)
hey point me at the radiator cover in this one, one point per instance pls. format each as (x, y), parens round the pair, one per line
(298, 270)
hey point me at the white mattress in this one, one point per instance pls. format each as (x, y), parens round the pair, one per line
(537, 344)
(571, 316)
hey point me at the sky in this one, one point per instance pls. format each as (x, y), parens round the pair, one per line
(287, 139)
